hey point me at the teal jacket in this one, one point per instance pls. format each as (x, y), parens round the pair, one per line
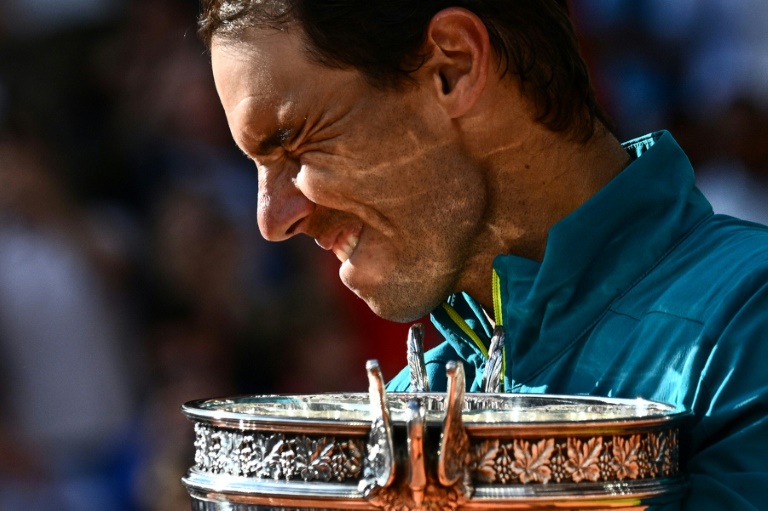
(642, 292)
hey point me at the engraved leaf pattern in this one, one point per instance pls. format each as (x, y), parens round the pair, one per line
(272, 467)
(222, 450)
(583, 459)
(201, 447)
(625, 457)
(580, 460)
(247, 456)
(273, 456)
(318, 465)
(483, 465)
(320, 468)
(532, 460)
(657, 444)
(591, 459)
(348, 461)
(671, 454)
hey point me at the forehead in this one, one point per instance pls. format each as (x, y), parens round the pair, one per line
(256, 69)
(267, 78)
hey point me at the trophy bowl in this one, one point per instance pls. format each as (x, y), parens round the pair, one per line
(433, 451)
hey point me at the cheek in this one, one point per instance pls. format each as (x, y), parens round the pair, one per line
(393, 169)
(321, 178)
(338, 181)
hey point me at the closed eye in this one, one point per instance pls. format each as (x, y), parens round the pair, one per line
(276, 140)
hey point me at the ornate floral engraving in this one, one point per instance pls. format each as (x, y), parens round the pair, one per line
(557, 464)
(575, 459)
(579, 460)
(504, 461)
(483, 461)
(671, 458)
(532, 460)
(277, 456)
(583, 458)
(625, 457)
(605, 460)
(346, 461)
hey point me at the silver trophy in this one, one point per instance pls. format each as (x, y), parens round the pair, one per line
(422, 450)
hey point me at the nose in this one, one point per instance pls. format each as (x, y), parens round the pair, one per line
(282, 205)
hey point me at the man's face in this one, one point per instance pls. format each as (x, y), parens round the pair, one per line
(379, 178)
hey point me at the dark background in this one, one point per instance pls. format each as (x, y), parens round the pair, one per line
(132, 275)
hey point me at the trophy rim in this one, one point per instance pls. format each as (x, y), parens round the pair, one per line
(500, 416)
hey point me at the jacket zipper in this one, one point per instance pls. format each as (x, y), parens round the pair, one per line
(498, 318)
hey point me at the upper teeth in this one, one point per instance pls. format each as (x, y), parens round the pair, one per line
(344, 249)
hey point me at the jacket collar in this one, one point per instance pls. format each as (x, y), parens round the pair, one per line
(593, 256)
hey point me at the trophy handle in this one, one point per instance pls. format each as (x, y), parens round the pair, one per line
(417, 472)
(452, 463)
(417, 489)
(379, 469)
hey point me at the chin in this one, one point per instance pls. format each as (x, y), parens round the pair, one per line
(392, 295)
(398, 315)
(398, 305)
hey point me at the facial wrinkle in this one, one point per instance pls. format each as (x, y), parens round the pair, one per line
(353, 208)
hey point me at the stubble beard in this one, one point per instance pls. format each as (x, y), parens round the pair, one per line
(404, 297)
(419, 283)
(434, 262)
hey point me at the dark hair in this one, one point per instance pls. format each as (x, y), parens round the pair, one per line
(534, 40)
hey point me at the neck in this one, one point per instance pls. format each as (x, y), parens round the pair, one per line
(534, 182)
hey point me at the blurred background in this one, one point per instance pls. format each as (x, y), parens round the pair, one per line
(132, 274)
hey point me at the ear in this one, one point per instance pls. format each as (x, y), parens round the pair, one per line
(460, 51)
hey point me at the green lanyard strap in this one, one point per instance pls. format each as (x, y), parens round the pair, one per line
(497, 312)
(499, 316)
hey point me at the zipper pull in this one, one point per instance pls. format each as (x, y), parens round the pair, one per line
(493, 373)
(415, 357)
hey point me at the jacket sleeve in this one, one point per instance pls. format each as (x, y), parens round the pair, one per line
(728, 467)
